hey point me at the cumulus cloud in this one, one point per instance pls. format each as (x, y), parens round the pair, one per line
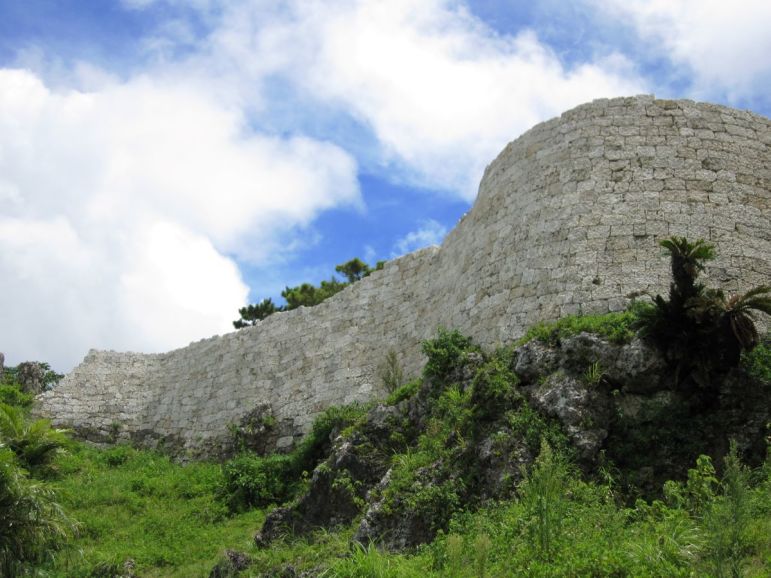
(130, 199)
(430, 232)
(722, 44)
(124, 208)
(441, 92)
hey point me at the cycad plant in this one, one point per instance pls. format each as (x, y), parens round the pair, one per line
(35, 443)
(687, 261)
(701, 330)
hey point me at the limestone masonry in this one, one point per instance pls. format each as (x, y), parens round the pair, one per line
(567, 221)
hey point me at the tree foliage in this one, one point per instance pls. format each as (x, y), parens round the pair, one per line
(251, 314)
(306, 294)
(353, 270)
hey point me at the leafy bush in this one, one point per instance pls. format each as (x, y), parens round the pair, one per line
(758, 361)
(35, 443)
(116, 455)
(495, 386)
(12, 395)
(404, 392)
(255, 481)
(251, 480)
(728, 518)
(535, 429)
(32, 525)
(446, 352)
(315, 445)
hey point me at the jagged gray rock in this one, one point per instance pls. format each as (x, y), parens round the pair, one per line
(633, 410)
(30, 375)
(231, 565)
(581, 408)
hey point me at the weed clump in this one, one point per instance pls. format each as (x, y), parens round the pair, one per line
(616, 327)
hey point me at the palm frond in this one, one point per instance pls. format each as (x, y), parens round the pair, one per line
(757, 299)
(680, 247)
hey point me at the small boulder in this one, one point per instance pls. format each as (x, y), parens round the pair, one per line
(535, 359)
(640, 368)
(401, 521)
(581, 408)
(231, 565)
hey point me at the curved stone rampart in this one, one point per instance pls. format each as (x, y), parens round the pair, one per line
(567, 221)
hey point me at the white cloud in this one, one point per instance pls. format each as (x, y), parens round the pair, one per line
(724, 44)
(430, 232)
(442, 92)
(122, 205)
(369, 254)
(156, 182)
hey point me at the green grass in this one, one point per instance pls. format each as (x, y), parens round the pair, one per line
(139, 505)
(758, 361)
(168, 519)
(177, 520)
(617, 327)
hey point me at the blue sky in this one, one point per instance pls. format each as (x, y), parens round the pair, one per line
(163, 162)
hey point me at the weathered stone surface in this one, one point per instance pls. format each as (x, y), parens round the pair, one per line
(567, 221)
(400, 527)
(257, 431)
(30, 375)
(535, 359)
(581, 408)
(339, 485)
(231, 565)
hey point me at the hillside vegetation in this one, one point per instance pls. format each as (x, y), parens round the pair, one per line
(581, 450)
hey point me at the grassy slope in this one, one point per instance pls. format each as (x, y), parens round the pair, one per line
(166, 517)
(169, 519)
(139, 505)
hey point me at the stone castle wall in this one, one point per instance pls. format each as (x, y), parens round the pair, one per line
(567, 221)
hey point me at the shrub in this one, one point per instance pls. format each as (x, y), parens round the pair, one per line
(116, 455)
(727, 519)
(543, 495)
(32, 525)
(404, 392)
(12, 395)
(758, 361)
(256, 481)
(446, 352)
(250, 480)
(315, 445)
(35, 443)
(494, 387)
